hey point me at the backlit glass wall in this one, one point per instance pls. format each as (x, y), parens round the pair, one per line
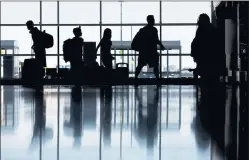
(175, 21)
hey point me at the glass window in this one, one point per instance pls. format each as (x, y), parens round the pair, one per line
(79, 12)
(53, 31)
(21, 35)
(89, 34)
(183, 33)
(51, 61)
(63, 64)
(49, 12)
(174, 66)
(20, 12)
(187, 62)
(184, 12)
(113, 15)
(129, 32)
(136, 12)
(164, 63)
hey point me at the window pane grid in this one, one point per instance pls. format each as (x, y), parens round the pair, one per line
(172, 29)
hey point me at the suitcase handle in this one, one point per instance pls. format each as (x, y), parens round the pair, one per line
(121, 64)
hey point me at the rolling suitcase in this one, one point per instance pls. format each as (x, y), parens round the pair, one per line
(122, 71)
(29, 71)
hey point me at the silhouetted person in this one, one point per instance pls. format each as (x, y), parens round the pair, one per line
(76, 53)
(105, 49)
(148, 42)
(39, 49)
(206, 50)
(147, 123)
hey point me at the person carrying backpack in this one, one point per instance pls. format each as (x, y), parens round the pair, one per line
(73, 51)
(145, 42)
(41, 41)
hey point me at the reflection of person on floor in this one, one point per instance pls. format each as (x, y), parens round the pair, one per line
(212, 111)
(76, 115)
(106, 101)
(147, 122)
(40, 121)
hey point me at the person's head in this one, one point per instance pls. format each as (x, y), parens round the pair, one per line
(30, 24)
(203, 20)
(107, 33)
(77, 32)
(150, 20)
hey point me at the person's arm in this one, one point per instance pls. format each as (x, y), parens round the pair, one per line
(159, 42)
(82, 49)
(98, 45)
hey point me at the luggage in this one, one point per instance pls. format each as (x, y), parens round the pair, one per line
(121, 72)
(29, 70)
(51, 73)
(63, 73)
(48, 40)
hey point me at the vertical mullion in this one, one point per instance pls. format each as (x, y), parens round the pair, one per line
(167, 63)
(180, 63)
(121, 28)
(40, 23)
(58, 35)
(0, 60)
(100, 24)
(40, 15)
(1, 78)
(160, 24)
(58, 90)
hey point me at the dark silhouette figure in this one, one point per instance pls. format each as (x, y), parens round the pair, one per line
(39, 49)
(74, 125)
(212, 112)
(106, 105)
(147, 41)
(206, 50)
(105, 49)
(76, 115)
(147, 123)
(77, 52)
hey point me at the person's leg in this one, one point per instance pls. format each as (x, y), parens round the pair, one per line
(156, 71)
(138, 70)
(139, 66)
(156, 66)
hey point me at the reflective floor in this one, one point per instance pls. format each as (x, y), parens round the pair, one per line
(118, 123)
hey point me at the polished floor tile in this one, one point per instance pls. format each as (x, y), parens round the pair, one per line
(118, 123)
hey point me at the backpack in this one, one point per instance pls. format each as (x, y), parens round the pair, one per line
(136, 42)
(48, 40)
(67, 48)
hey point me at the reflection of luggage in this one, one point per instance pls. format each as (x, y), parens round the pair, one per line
(122, 72)
(29, 70)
